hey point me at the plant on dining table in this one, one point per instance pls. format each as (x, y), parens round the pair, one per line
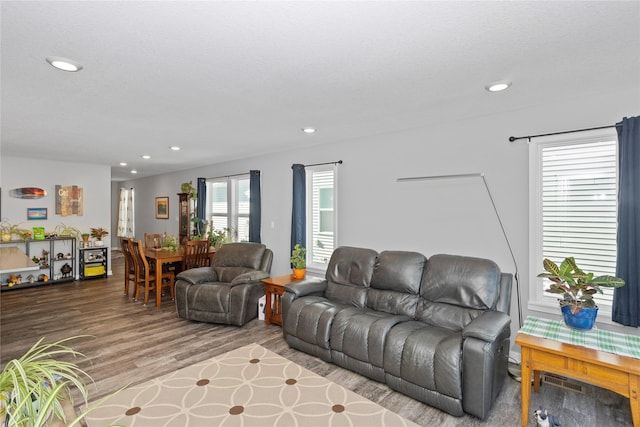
(170, 243)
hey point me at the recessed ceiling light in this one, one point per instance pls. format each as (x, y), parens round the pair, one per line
(309, 130)
(498, 86)
(146, 156)
(64, 64)
(175, 148)
(123, 163)
(134, 171)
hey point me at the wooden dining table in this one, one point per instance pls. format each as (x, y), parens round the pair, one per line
(160, 257)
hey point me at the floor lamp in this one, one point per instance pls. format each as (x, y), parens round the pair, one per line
(514, 371)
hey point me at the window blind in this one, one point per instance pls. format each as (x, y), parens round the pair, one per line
(579, 206)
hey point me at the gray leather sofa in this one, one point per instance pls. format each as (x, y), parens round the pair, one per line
(436, 330)
(228, 291)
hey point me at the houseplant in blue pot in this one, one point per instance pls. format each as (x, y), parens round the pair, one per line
(577, 288)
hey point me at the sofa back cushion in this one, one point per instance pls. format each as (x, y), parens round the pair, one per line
(395, 284)
(349, 275)
(233, 259)
(457, 289)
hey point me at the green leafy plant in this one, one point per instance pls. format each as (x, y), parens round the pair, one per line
(298, 257)
(98, 233)
(576, 286)
(187, 187)
(63, 230)
(170, 243)
(8, 230)
(33, 387)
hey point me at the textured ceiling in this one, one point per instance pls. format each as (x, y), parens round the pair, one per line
(228, 80)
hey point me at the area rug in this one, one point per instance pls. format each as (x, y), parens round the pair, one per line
(249, 386)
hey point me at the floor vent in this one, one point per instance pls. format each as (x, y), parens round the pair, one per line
(563, 382)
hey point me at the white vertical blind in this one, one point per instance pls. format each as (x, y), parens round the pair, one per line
(579, 206)
(321, 238)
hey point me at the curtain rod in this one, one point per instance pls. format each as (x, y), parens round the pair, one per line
(339, 162)
(228, 176)
(515, 138)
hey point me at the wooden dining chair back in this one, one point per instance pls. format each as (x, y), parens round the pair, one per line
(196, 254)
(145, 275)
(129, 264)
(153, 240)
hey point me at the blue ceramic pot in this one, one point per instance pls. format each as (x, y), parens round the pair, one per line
(583, 320)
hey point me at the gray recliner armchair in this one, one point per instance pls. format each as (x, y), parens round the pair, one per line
(228, 291)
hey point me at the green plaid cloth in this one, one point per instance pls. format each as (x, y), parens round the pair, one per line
(612, 342)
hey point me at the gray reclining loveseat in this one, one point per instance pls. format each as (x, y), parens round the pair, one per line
(436, 330)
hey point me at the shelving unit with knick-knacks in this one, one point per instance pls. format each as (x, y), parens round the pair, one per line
(55, 258)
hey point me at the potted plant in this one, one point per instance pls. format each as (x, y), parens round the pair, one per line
(98, 233)
(187, 187)
(299, 261)
(577, 288)
(63, 230)
(33, 387)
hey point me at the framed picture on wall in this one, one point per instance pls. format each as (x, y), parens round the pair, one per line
(162, 207)
(36, 213)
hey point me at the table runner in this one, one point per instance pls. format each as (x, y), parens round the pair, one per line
(597, 339)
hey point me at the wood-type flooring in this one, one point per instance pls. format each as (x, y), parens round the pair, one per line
(128, 343)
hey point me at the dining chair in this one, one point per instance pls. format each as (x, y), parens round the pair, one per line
(153, 240)
(129, 264)
(196, 254)
(145, 274)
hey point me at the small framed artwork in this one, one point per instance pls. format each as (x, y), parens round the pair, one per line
(36, 213)
(162, 208)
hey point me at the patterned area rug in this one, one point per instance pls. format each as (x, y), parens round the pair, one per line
(249, 386)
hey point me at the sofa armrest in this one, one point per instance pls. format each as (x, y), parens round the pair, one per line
(251, 276)
(487, 327)
(309, 286)
(198, 275)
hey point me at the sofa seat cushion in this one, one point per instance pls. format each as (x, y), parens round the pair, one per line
(427, 356)
(360, 335)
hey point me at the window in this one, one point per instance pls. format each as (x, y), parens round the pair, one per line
(321, 215)
(574, 209)
(228, 206)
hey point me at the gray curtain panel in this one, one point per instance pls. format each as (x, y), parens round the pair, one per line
(255, 206)
(298, 216)
(626, 300)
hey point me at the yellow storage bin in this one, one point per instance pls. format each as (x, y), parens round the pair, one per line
(94, 270)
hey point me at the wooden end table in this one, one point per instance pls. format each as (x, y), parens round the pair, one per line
(607, 370)
(274, 288)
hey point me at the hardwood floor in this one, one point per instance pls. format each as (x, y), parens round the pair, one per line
(129, 343)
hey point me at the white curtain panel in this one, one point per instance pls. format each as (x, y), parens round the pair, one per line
(125, 213)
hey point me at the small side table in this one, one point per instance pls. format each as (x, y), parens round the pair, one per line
(274, 288)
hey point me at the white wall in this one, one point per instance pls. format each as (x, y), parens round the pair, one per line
(95, 181)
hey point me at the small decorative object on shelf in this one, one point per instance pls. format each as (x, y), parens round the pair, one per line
(98, 233)
(577, 288)
(299, 261)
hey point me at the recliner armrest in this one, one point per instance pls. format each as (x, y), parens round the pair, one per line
(250, 276)
(198, 275)
(309, 286)
(488, 326)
